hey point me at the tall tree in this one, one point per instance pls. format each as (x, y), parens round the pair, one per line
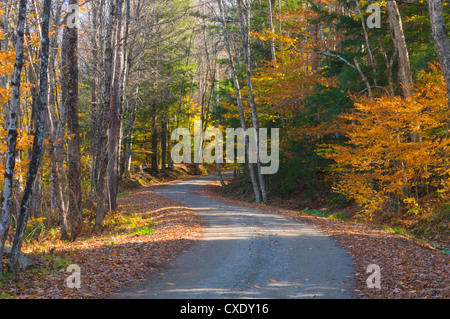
(237, 88)
(70, 69)
(116, 110)
(404, 68)
(12, 129)
(37, 143)
(441, 39)
(104, 119)
(245, 37)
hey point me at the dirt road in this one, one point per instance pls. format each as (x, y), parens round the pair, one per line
(248, 253)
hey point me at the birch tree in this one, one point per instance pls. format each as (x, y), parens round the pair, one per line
(237, 88)
(37, 143)
(12, 129)
(245, 38)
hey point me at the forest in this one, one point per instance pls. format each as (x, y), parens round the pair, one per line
(91, 91)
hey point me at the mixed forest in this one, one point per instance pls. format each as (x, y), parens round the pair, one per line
(90, 91)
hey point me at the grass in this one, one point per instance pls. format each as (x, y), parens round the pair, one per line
(395, 230)
(144, 231)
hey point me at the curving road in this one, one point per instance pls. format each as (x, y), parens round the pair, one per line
(248, 253)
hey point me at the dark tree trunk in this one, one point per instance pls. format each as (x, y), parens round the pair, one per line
(163, 144)
(104, 117)
(154, 142)
(37, 143)
(73, 130)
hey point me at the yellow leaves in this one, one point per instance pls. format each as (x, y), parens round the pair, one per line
(394, 145)
(33, 221)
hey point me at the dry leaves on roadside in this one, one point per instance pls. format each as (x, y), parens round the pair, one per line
(408, 268)
(126, 253)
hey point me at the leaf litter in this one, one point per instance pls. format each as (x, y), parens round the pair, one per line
(145, 233)
(409, 268)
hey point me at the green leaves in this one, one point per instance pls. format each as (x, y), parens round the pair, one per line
(144, 231)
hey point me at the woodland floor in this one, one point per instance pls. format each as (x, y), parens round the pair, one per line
(128, 251)
(125, 253)
(410, 268)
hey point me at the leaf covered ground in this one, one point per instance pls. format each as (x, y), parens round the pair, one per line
(148, 231)
(145, 233)
(409, 268)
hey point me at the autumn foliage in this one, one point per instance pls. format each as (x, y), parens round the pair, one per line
(396, 149)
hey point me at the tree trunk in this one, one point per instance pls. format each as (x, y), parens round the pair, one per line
(239, 102)
(37, 143)
(404, 69)
(114, 130)
(73, 130)
(163, 144)
(154, 142)
(104, 118)
(12, 129)
(441, 40)
(272, 38)
(245, 36)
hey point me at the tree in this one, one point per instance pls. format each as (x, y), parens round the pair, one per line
(441, 39)
(116, 110)
(398, 36)
(104, 119)
(237, 88)
(73, 129)
(37, 143)
(12, 129)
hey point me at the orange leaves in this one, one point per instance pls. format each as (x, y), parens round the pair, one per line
(285, 83)
(395, 145)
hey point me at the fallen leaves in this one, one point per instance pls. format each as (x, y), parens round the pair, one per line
(408, 268)
(120, 256)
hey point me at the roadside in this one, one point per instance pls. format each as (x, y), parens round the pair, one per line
(408, 268)
(145, 233)
(248, 253)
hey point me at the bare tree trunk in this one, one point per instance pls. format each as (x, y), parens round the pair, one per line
(104, 118)
(163, 142)
(73, 130)
(154, 142)
(369, 50)
(441, 40)
(404, 69)
(12, 129)
(37, 143)
(239, 101)
(272, 38)
(95, 88)
(127, 140)
(114, 130)
(389, 66)
(245, 35)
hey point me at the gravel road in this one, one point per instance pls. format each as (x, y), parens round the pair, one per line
(248, 253)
